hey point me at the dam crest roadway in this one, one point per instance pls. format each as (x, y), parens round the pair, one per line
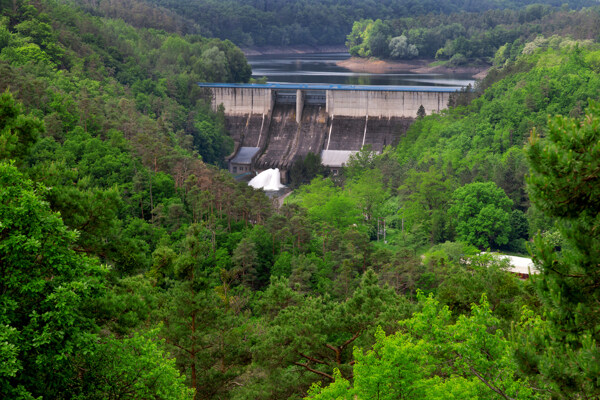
(275, 124)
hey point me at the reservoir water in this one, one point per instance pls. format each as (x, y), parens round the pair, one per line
(322, 68)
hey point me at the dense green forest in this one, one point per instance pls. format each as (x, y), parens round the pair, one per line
(133, 267)
(290, 22)
(422, 188)
(468, 37)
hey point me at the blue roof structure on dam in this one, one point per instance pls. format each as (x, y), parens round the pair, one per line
(315, 86)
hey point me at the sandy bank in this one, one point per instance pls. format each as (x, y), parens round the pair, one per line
(375, 66)
(269, 50)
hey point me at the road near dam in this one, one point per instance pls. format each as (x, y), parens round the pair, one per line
(275, 124)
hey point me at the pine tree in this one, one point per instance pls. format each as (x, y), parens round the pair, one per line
(565, 184)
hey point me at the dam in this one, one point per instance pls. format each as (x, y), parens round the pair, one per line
(275, 124)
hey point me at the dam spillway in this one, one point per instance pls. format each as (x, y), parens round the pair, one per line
(290, 139)
(273, 125)
(283, 132)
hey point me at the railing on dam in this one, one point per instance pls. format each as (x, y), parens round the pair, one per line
(313, 97)
(285, 98)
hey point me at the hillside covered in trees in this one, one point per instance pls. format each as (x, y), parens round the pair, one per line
(290, 22)
(469, 37)
(133, 267)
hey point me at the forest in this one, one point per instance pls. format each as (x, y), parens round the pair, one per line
(468, 37)
(251, 23)
(134, 267)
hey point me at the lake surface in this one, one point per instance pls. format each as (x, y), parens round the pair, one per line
(321, 68)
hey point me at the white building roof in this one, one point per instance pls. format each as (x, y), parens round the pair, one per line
(336, 158)
(519, 265)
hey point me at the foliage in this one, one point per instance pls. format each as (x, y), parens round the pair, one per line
(432, 358)
(563, 184)
(327, 203)
(110, 136)
(400, 48)
(19, 132)
(482, 142)
(205, 333)
(305, 169)
(474, 274)
(316, 334)
(132, 368)
(482, 214)
(306, 22)
(46, 288)
(360, 161)
(463, 36)
(124, 174)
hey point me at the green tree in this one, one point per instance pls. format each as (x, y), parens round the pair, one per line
(213, 65)
(469, 275)
(355, 39)
(369, 192)
(18, 132)
(316, 334)
(306, 169)
(360, 162)
(134, 367)
(245, 257)
(425, 199)
(328, 203)
(377, 39)
(482, 214)
(564, 184)
(206, 332)
(432, 358)
(401, 49)
(45, 289)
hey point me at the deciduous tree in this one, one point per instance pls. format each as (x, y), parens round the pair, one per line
(482, 214)
(432, 358)
(45, 288)
(18, 132)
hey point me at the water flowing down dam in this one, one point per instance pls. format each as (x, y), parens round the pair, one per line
(283, 132)
(273, 125)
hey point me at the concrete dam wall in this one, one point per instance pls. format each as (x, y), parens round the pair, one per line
(273, 125)
(243, 101)
(347, 102)
(355, 103)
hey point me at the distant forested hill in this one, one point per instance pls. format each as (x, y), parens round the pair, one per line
(302, 22)
(466, 36)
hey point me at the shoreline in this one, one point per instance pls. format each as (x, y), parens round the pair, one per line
(300, 49)
(420, 66)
